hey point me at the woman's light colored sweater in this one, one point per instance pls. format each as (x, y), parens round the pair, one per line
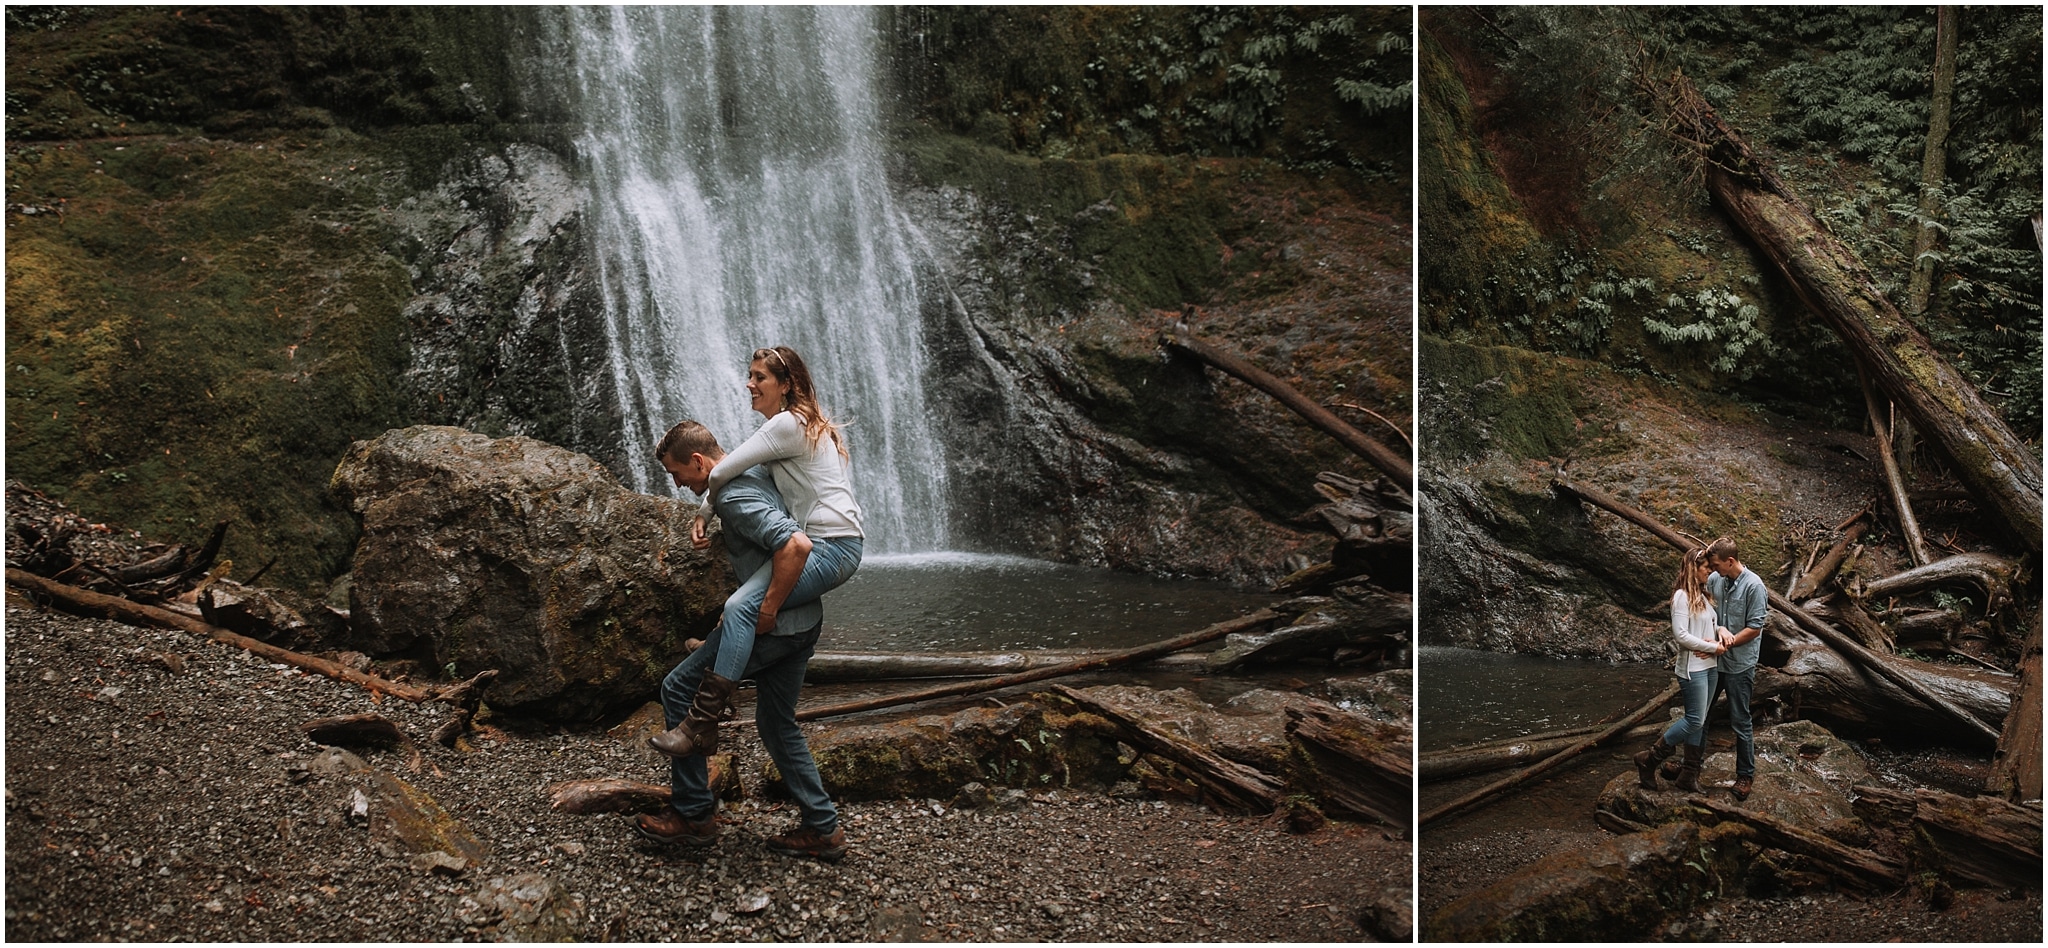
(1694, 632)
(815, 481)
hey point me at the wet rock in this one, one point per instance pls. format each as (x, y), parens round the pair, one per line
(524, 557)
(935, 756)
(278, 616)
(1382, 696)
(1803, 777)
(1620, 889)
(1389, 916)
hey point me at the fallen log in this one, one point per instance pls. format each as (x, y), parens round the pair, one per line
(1094, 663)
(1982, 840)
(885, 666)
(1432, 766)
(1989, 572)
(1821, 684)
(2000, 470)
(1824, 570)
(1888, 668)
(1226, 784)
(1379, 455)
(354, 730)
(2016, 766)
(1370, 618)
(1859, 867)
(1489, 793)
(1352, 764)
(618, 795)
(1902, 506)
(89, 603)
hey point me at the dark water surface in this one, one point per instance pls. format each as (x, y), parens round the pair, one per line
(1466, 696)
(975, 602)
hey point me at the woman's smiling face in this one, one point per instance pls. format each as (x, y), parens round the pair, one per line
(767, 391)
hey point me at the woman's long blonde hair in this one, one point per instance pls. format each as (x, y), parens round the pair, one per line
(1697, 597)
(802, 400)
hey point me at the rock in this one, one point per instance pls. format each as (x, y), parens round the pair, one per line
(334, 760)
(1803, 777)
(898, 923)
(524, 557)
(440, 863)
(933, 756)
(404, 819)
(524, 907)
(1390, 916)
(1302, 816)
(1383, 696)
(1618, 890)
(753, 903)
(973, 795)
(278, 616)
(357, 805)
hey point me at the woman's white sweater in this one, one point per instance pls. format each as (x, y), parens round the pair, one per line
(815, 481)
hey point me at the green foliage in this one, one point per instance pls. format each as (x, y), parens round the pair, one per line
(1320, 88)
(1721, 326)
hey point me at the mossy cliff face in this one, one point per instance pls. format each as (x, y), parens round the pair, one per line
(1508, 565)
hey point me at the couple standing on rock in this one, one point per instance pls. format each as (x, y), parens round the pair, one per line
(1714, 593)
(792, 532)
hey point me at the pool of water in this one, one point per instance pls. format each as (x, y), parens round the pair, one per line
(1467, 696)
(974, 602)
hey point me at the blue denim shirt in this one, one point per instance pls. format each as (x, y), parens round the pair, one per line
(756, 523)
(1739, 603)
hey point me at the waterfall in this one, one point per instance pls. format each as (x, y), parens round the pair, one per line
(739, 200)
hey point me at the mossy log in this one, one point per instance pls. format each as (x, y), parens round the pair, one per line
(1352, 764)
(2000, 470)
(1225, 784)
(1859, 867)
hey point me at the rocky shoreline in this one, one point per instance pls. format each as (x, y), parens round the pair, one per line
(159, 789)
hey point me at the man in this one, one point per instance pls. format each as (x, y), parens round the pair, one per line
(758, 530)
(1740, 601)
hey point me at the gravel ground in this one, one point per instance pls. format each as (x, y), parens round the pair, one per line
(1469, 852)
(150, 804)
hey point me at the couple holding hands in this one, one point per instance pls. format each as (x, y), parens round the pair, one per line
(1717, 617)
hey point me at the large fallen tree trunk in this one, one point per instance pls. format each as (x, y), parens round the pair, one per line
(1493, 791)
(1353, 765)
(1988, 572)
(1999, 468)
(1819, 683)
(1096, 663)
(1859, 867)
(1431, 766)
(1981, 840)
(1894, 670)
(1225, 783)
(1380, 456)
(87, 602)
(2016, 768)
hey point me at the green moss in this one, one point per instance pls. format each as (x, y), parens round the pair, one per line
(1520, 402)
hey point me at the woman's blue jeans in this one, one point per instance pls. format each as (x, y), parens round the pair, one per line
(1698, 692)
(832, 562)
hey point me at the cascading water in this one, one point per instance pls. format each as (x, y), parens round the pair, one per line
(739, 201)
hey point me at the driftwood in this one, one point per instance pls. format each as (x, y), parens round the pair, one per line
(1981, 840)
(1859, 867)
(1225, 784)
(1095, 663)
(1989, 572)
(1379, 455)
(616, 795)
(1867, 630)
(2001, 470)
(1902, 506)
(2016, 767)
(1819, 575)
(467, 698)
(354, 730)
(1367, 619)
(1353, 764)
(1817, 681)
(87, 602)
(1491, 792)
(1891, 669)
(886, 666)
(1431, 766)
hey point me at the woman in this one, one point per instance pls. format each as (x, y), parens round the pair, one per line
(1692, 625)
(808, 460)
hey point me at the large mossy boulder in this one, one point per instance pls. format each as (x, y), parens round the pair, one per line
(1803, 777)
(934, 756)
(521, 556)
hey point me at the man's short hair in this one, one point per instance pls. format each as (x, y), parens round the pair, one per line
(685, 439)
(1722, 549)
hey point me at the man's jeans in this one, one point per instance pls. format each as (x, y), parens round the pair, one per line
(1738, 686)
(832, 562)
(777, 668)
(1698, 692)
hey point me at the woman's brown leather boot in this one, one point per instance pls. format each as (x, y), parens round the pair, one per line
(1689, 772)
(698, 731)
(1647, 761)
